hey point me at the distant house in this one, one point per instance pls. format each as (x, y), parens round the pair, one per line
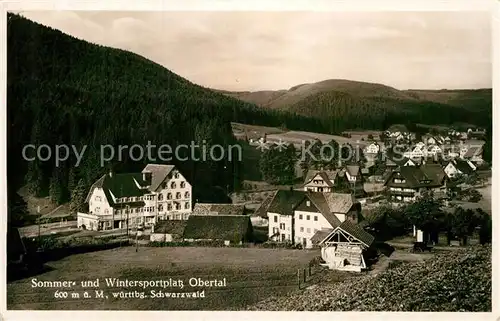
(295, 216)
(352, 173)
(434, 150)
(393, 161)
(342, 248)
(168, 231)
(218, 209)
(373, 148)
(232, 229)
(408, 182)
(459, 167)
(322, 181)
(474, 154)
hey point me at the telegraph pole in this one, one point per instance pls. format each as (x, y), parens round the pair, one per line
(39, 219)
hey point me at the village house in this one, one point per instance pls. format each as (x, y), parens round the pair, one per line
(406, 183)
(373, 149)
(474, 154)
(394, 161)
(295, 216)
(459, 167)
(322, 181)
(117, 201)
(434, 150)
(352, 173)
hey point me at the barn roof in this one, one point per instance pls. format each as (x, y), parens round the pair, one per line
(218, 209)
(233, 228)
(170, 227)
(119, 185)
(357, 231)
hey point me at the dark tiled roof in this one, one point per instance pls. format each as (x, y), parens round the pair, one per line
(358, 232)
(463, 166)
(170, 227)
(158, 174)
(234, 228)
(473, 151)
(327, 176)
(330, 203)
(262, 210)
(429, 175)
(218, 209)
(120, 185)
(285, 201)
(353, 170)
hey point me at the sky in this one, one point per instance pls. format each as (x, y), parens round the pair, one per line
(250, 51)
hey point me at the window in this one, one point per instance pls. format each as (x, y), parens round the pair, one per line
(160, 208)
(177, 206)
(276, 219)
(169, 196)
(275, 230)
(302, 229)
(183, 184)
(176, 175)
(186, 195)
(97, 209)
(164, 185)
(130, 199)
(178, 195)
(169, 207)
(282, 226)
(160, 197)
(300, 216)
(106, 211)
(315, 218)
(98, 198)
(186, 205)
(308, 230)
(308, 203)
(173, 185)
(308, 217)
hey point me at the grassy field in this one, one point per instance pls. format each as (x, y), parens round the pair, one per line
(252, 274)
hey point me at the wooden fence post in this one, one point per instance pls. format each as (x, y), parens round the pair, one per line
(309, 269)
(304, 274)
(298, 278)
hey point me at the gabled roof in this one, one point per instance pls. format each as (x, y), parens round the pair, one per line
(218, 209)
(473, 151)
(354, 230)
(428, 175)
(285, 201)
(264, 206)
(353, 170)
(159, 173)
(358, 232)
(330, 203)
(120, 185)
(327, 176)
(234, 228)
(462, 166)
(170, 227)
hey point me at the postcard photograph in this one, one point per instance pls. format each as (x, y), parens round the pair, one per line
(249, 160)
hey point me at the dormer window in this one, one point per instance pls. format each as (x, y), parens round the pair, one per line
(308, 203)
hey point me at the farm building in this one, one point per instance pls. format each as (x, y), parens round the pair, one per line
(343, 248)
(234, 229)
(167, 231)
(218, 209)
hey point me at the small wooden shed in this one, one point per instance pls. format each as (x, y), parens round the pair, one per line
(343, 248)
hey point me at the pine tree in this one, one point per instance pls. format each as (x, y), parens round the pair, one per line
(77, 203)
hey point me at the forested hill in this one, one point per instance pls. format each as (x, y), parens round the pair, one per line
(62, 90)
(371, 105)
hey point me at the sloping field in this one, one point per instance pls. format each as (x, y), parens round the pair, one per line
(451, 281)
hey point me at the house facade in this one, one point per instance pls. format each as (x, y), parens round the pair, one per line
(322, 181)
(159, 192)
(459, 167)
(406, 183)
(296, 216)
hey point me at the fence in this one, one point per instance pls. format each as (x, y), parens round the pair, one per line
(307, 274)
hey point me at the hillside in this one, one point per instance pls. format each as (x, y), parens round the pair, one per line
(452, 281)
(62, 90)
(374, 106)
